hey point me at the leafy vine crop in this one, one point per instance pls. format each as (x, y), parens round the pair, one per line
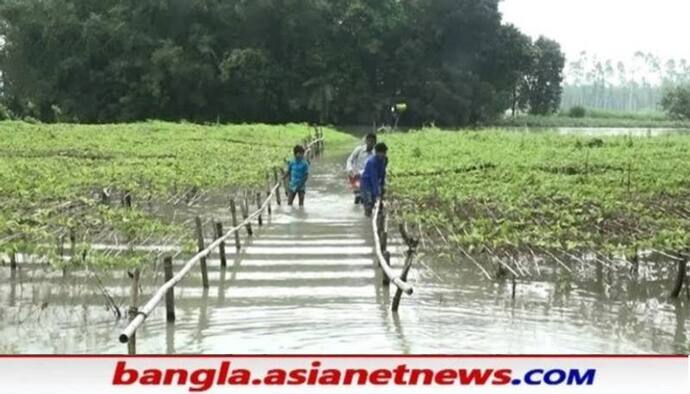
(564, 197)
(70, 187)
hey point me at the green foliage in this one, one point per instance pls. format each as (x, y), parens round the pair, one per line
(676, 102)
(5, 113)
(577, 111)
(53, 177)
(544, 82)
(345, 62)
(524, 193)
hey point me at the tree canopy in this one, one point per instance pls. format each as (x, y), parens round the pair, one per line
(339, 61)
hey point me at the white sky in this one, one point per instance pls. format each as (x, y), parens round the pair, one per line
(608, 28)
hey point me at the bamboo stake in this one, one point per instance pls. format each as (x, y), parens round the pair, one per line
(404, 286)
(387, 257)
(245, 216)
(268, 193)
(170, 294)
(276, 180)
(61, 253)
(258, 206)
(680, 279)
(221, 247)
(202, 261)
(133, 311)
(406, 270)
(127, 200)
(233, 211)
(283, 175)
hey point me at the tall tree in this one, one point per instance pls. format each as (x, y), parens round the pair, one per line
(452, 61)
(544, 82)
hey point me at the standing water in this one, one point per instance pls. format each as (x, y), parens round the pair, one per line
(307, 284)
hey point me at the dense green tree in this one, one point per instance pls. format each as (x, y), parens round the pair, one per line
(343, 61)
(543, 83)
(676, 102)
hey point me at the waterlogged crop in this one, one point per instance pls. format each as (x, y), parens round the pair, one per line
(511, 194)
(66, 187)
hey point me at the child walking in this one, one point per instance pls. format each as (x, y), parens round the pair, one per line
(298, 173)
(374, 178)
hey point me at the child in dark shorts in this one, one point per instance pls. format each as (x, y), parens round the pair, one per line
(298, 173)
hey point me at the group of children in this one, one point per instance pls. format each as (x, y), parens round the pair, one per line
(366, 168)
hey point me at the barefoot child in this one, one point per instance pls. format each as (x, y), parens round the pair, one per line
(298, 173)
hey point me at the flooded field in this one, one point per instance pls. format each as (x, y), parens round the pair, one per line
(307, 284)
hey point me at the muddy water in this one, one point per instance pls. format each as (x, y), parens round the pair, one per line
(307, 284)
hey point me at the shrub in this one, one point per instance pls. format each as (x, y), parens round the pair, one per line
(5, 113)
(31, 120)
(676, 102)
(577, 111)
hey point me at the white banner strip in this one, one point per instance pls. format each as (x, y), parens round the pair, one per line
(344, 374)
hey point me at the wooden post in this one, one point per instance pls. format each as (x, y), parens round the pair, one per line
(268, 194)
(383, 230)
(406, 270)
(387, 256)
(680, 279)
(202, 261)
(233, 211)
(283, 176)
(245, 215)
(268, 197)
(322, 148)
(258, 206)
(384, 240)
(13, 261)
(276, 181)
(221, 247)
(133, 311)
(105, 197)
(127, 200)
(61, 254)
(170, 294)
(72, 244)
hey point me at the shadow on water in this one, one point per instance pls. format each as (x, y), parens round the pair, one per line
(307, 283)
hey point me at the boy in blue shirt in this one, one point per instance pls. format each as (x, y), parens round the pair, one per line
(374, 178)
(298, 173)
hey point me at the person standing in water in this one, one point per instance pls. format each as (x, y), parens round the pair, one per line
(374, 178)
(356, 162)
(298, 173)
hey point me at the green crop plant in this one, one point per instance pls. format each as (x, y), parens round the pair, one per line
(65, 187)
(512, 194)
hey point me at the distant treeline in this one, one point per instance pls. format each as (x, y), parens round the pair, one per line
(633, 85)
(453, 62)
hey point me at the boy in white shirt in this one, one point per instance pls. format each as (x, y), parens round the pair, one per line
(356, 162)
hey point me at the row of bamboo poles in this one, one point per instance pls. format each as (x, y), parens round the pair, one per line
(314, 147)
(379, 224)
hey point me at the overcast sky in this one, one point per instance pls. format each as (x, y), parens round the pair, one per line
(608, 28)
